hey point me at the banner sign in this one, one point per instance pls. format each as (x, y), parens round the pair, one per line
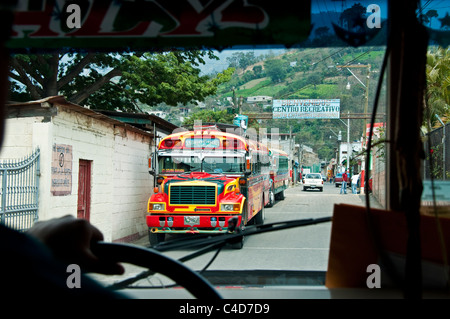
(108, 24)
(306, 109)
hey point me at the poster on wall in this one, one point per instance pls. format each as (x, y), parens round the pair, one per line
(61, 171)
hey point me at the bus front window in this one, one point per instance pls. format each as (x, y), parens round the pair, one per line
(223, 165)
(177, 165)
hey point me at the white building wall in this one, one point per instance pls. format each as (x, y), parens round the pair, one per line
(132, 185)
(18, 138)
(120, 182)
(91, 140)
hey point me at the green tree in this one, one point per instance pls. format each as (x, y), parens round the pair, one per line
(242, 59)
(258, 70)
(353, 18)
(315, 79)
(209, 116)
(437, 97)
(111, 81)
(276, 69)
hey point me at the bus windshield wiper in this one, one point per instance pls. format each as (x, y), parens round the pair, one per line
(216, 242)
(232, 237)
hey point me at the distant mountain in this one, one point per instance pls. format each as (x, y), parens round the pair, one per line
(310, 74)
(214, 66)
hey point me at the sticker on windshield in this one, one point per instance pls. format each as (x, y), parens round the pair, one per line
(202, 143)
(172, 170)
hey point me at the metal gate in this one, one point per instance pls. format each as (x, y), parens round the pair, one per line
(19, 192)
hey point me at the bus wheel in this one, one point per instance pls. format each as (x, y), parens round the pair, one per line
(271, 198)
(281, 195)
(155, 238)
(259, 219)
(238, 244)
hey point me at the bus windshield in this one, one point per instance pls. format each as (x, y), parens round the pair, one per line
(216, 164)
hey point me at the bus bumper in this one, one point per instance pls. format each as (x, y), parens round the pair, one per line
(189, 224)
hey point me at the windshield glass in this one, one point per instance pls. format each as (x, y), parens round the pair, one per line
(314, 176)
(312, 101)
(107, 112)
(185, 164)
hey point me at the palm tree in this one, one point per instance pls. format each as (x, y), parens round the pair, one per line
(437, 97)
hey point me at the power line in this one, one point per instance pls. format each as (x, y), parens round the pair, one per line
(329, 56)
(359, 56)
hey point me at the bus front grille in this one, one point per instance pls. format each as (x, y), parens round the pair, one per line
(192, 195)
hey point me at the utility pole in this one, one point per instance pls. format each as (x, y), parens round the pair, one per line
(366, 87)
(340, 152)
(241, 100)
(348, 145)
(348, 141)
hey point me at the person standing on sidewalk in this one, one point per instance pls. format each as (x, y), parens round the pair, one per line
(344, 183)
(355, 179)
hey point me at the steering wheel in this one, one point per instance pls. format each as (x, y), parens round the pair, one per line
(193, 282)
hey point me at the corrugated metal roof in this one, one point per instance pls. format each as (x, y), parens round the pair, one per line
(52, 101)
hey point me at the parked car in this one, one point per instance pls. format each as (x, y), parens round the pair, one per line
(338, 180)
(313, 181)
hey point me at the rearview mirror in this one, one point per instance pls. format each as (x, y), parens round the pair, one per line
(151, 168)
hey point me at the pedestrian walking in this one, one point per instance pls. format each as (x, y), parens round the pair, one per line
(344, 183)
(355, 179)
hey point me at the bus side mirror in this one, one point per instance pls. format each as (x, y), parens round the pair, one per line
(151, 168)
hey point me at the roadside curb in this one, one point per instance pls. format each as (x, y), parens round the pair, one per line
(373, 201)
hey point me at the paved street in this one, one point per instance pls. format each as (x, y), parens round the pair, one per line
(302, 248)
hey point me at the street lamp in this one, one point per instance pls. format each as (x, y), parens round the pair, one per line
(443, 144)
(365, 86)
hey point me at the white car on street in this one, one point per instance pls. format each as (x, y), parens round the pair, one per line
(313, 181)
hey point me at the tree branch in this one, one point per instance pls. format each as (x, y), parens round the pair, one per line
(31, 71)
(51, 86)
(76, 70)
(36, 92)
(83, 95)
(14, 76)
(41, 59)
(132, 100)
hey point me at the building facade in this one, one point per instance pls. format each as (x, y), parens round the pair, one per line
(91, 166)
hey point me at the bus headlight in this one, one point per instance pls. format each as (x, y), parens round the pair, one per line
(230, 207)
(156, 206)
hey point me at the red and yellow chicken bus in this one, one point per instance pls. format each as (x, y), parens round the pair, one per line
(279, 175)
(206, 177)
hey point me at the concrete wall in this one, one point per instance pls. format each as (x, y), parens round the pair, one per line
(120, 182)
(18, 139)
(132, 185)
(379, 178)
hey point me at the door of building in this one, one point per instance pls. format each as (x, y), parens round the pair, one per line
(84, 189)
